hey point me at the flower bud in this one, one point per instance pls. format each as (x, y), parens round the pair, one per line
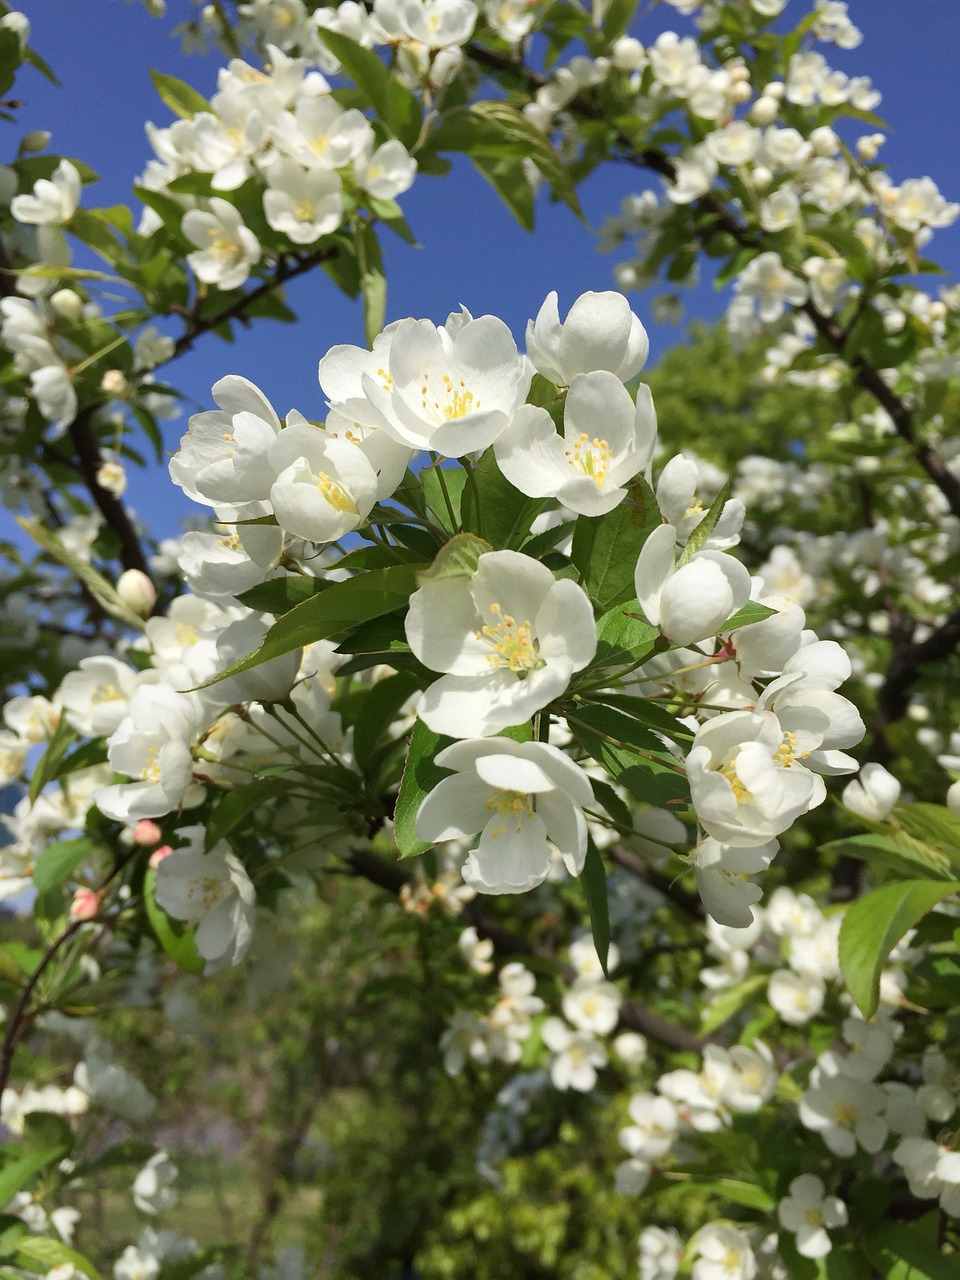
(137, 592)
(740, 91)
(36, 140)
(774, 90)
(19, 24)
(112, 477)
(67, 303)
(85, 904)
(446, 66)
(824, 141)
(158, 855)
(762, 177)
(146, 833)
(869, 145)
(114, 383)
(764, 110)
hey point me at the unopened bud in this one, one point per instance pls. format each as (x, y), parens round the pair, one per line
(146, 833)
(67, 303)
(869, 145)
(764, 110)
(824, 141)
(112, 477)
(158, 855)
(137, 592)
(85, 904)
(740, 91)
(774, 90)
(36, 140)
(762, 177)
(114, 383)
(18, 23)
(446, 66)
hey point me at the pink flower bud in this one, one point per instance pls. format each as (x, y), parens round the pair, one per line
(85, 904)
(137, 592)
(146, 833)
(158, 855)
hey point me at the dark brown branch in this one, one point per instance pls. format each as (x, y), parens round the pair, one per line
(902, 672)
(634, 1015)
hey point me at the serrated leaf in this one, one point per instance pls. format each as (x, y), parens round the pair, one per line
(458, 558)
(395, 105)
(18, 1172)
(872, 927)
(379, 709)
(436, 490)
(50, 1253)
(623, 633)
(722, 1007)
(58, 860)
(635, 756)
(103, 592)
(706, 526)
(593, 880)
(901, 1252)
(232, 807)
(751, 612)
(420, 776)
(606, 551)
(342, 605)
(280, 595)
(182, 100)
(504, 515)
(47, 767)
(902, 854)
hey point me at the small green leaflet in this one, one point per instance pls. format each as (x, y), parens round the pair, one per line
(342, 605)
(420, 776)
(874, 925)
(605, 551)
(182, 100)
(457, 559)
(57, 862)
(593, 879)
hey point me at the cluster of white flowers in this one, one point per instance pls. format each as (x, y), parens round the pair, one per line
(283, 125)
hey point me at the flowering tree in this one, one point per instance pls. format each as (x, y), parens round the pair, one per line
(585, 802)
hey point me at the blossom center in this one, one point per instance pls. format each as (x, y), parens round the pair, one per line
(456, 399)
(335, 494)
(590, 457)
(225, 250)
(151, 770)
(515, 806)
(740, 791)
(788, 751)
(513, 644)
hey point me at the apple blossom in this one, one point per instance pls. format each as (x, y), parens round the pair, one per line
(581, 470)
(599, 333)
(227, 249)
(213, 891)
(508, 639)
(522, 797)
(692, 601)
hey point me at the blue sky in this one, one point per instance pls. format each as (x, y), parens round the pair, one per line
(473, 252)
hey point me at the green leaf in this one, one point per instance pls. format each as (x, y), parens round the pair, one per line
(593, 880)
(102, 591)
(706, 526)
(751, 612)
(510, 127)
(395, 105)
(379, 709)
(504, 514)
(58, 860)
(902, 1252)
(509, 179)
(605, 551)
(624, 634)
(50, 1253)
(635, 757)
(232, 807)
(727, 1003)
(46, 1131)
(898, 852)
(420, 776)
(182, 100)
(18, 1172)
(458, 558)
(373, 281)
(47, 766)
(453, 481)
(280, 595)
(334, 610)
(873, 926)
(174, 937)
